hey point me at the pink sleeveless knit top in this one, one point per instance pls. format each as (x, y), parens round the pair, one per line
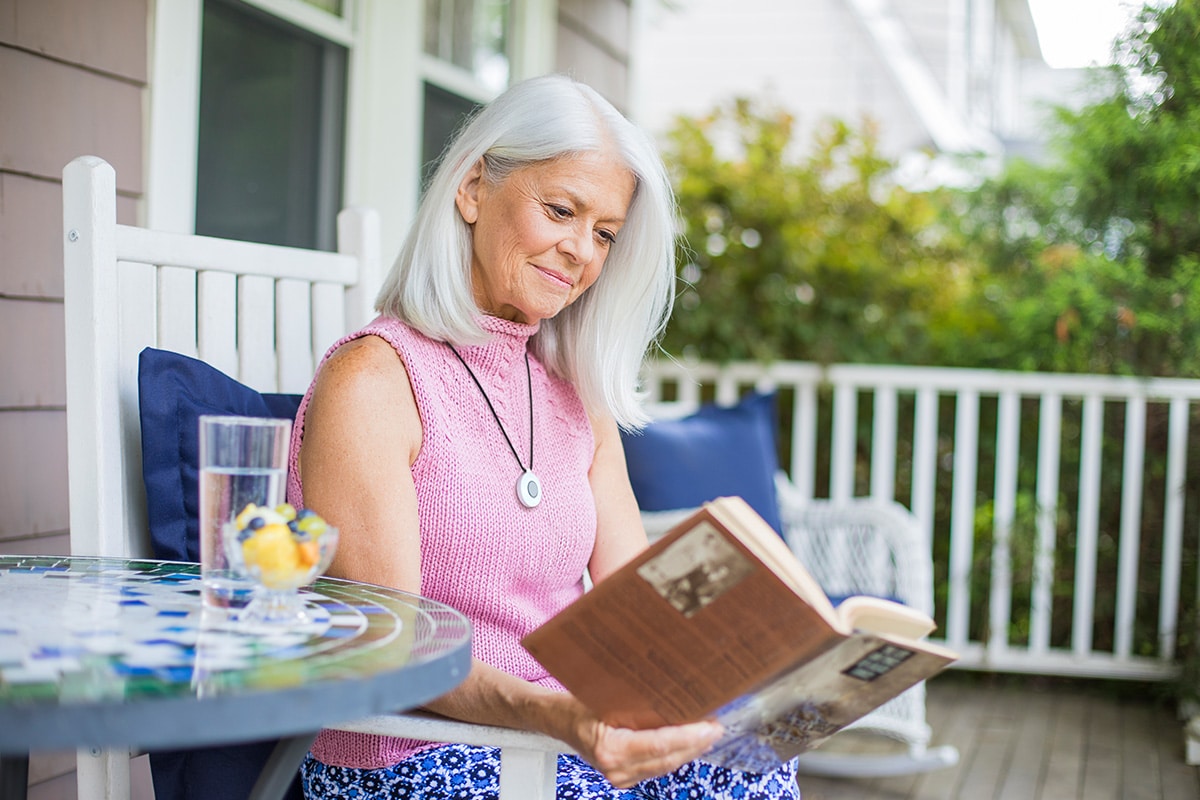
(506, 567)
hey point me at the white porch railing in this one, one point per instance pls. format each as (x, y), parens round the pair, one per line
(914, 435)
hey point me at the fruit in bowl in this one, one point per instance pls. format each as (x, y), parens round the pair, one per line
(282, 548)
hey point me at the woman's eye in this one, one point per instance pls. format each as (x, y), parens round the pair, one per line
(562, 212)
(608, 237)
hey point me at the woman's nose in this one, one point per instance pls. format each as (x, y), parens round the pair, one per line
(578, 246)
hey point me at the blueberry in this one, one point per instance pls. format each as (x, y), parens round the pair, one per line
(255, 523)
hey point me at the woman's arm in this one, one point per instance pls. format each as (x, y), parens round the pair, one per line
(362, 433)
(619, 532)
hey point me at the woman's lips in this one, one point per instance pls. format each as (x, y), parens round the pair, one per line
(558, 277)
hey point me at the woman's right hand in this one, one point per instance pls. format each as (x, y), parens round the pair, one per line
(625, 756)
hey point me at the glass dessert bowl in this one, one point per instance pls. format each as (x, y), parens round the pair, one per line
(281, 550)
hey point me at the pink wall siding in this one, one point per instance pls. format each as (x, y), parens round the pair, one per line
(72, 82)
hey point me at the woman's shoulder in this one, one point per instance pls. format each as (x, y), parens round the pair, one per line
(362, 367)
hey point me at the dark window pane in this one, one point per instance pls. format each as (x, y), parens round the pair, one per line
(444, 113)
(272, 116)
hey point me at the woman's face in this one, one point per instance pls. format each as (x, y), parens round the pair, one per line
(540, 236)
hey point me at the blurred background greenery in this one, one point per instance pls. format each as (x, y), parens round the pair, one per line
(1085, 262)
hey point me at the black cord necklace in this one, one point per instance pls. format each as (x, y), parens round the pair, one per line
(529, 488)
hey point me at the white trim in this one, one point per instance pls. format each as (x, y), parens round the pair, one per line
(339, 30)
(383, 117)
(174, 115)
(453, 78)
(533, 34)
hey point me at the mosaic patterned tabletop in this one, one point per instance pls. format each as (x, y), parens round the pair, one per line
(97, 651)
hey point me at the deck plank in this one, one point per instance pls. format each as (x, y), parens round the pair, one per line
(1023, 779)
(1141, 776)
(1065, 756)
(1102, 752)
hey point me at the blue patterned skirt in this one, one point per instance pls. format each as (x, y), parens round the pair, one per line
(466, 772)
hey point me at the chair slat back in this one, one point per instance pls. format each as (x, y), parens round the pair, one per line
(263, 314)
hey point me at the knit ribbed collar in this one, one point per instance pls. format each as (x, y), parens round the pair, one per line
(504, 351)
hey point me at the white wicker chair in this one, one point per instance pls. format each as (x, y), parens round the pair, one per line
(864, 546)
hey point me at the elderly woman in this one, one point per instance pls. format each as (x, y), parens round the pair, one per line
(467, 442)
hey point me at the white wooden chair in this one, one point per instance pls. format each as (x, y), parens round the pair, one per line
(127, 288)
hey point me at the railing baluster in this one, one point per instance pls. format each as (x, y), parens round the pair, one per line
(1041, 596)
(883, 444)
(804, 439)
(1087, 533)
(1008, 434)
(962, 516)
(1172, 558)
(1131, 524)
(925, 447)
(844, 448)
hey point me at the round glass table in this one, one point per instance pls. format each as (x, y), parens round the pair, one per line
(105, 652)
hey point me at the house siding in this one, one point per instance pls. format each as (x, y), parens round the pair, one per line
(592, 45)
(72, 82)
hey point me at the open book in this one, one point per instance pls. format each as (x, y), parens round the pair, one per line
(718, 619)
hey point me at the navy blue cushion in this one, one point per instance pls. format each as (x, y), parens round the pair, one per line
(173, 392)
(716, 452)
(213, 773)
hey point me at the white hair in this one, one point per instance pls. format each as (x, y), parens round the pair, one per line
(598, 342)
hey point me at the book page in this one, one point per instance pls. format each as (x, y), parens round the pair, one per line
(761, 539)
(876, 615)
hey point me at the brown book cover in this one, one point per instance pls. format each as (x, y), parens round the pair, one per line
(719, 620)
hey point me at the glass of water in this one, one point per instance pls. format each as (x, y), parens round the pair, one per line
(243, 460)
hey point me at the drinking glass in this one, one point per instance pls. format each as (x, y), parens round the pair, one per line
(243, 460)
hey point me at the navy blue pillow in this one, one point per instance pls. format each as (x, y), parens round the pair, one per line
(716, 452)
(173, 392)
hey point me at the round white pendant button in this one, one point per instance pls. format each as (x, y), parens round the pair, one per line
(529, 489)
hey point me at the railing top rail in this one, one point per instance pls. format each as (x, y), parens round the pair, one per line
(942, 379)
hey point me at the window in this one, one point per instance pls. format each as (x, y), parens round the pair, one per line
(473, 36)
(467, 63)
(271, 130)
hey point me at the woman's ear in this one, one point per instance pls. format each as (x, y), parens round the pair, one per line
(467, 196)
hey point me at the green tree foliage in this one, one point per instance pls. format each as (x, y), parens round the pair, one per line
(1093, 258)
(819, 258)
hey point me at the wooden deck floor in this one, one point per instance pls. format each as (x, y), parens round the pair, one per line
(1038, 739)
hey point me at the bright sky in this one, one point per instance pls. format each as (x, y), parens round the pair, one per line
(1077, 33)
